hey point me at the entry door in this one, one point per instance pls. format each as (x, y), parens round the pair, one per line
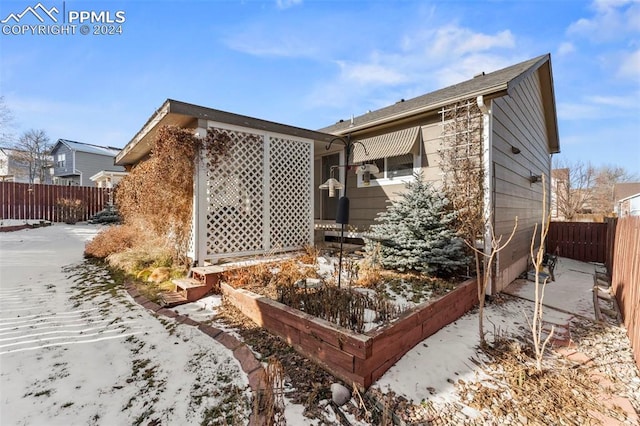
(329, 205)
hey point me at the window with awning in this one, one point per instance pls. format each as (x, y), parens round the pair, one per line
(392, 144)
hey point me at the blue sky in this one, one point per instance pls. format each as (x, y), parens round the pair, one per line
(310, 63)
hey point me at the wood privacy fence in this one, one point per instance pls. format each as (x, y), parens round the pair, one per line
(36, 201)
(625, 277)
(583, 241)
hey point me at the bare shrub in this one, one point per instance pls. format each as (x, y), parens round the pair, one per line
(113, 239)
(159, 191)
(70, 210)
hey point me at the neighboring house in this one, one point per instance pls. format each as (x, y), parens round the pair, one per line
(265, 196)
(14, 167)
(627, 199)
(108, 178)
(74, 162)
(513, 113)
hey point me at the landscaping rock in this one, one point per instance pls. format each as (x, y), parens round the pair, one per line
(340, 394)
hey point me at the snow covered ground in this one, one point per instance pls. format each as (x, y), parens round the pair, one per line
(76, 349)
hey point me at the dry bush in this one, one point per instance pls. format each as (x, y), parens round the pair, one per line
(159, 191)
(70, 210)
(251, 276)
(369, 276)
(290, 271)
(277, 274)
(310, 255)
(113, 239)
(566, 394)
(143, 255)
(270, 401)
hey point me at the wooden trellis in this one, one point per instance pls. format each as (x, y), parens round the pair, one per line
(257, 200)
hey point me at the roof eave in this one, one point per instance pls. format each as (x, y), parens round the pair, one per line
(133, 152)
(490, 93)
(121, 159)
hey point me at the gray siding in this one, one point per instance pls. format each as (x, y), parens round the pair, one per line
(367, 202)
(80, 166)
(68, 168)
(518, 121)
(89, 164)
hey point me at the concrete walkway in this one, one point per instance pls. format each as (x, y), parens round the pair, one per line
(571, 292)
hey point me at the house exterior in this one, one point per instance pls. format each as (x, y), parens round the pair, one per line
(258, 200)
(512, 114)
(627, 199)
(75, 162)
(108, 178)
(265, 197)
(14, 167)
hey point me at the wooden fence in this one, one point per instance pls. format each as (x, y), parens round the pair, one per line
(625, 277)
(35, 201)
(583, 241)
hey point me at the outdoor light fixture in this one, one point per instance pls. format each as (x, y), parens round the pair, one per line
(535, 178)
(332, 184)
(515, 150)
(365, 171)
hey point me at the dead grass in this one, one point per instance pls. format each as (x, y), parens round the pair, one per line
(113, 239)
(563, 391)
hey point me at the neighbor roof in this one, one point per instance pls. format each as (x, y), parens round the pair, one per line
(625, 190)
(89, 148)
(493, 84)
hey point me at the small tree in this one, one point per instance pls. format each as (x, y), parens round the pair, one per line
(483, 276)
(33, 149)
(537, 258)
(6, 122)
(416, 233)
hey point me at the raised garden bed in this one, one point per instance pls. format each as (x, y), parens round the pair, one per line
(353, 357)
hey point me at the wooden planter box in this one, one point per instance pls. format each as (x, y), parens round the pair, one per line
(354, 358)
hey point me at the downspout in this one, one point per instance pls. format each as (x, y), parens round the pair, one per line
(487, 162)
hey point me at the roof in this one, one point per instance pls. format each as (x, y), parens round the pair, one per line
(491, 85)
(88, 148)
(181, 114)
(625, 190)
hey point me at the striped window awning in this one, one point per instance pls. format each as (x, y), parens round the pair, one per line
(391, 144)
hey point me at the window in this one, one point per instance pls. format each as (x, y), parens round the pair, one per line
(393, 170)
(61, 160)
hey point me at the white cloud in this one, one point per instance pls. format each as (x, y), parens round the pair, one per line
(577, 111)
(455, 40)
(285, 4)
(370, 74)
(613, 20)
(285, 45)
(566, 48)
(613, 101)
(422, 61)
(630, 66)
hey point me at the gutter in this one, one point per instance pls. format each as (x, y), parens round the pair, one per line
(494, 92)
(487, 163)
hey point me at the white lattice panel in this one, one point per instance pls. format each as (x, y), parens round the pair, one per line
(235, 198)
(290, 193)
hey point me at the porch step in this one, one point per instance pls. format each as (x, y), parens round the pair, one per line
(206, 270)
(191, 289)
(169, 299)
